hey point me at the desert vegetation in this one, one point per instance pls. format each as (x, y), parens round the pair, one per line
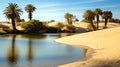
(13, 12)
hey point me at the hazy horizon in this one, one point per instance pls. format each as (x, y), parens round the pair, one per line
(55, 10)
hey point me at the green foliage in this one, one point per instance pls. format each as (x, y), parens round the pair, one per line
(89, 15)
(114, 20)
(59, 25)
(52, 30)
(13, 12)
(56, 28)
(69, 18)
(33, 26)
(69, 28)
(98, 11)
(107, 15)
(52, 20)
(30, 9)
(77, 20)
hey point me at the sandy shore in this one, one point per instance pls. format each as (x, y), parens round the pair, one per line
(106, 46)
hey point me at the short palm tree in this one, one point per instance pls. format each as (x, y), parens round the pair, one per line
(106, 15)
(89, 15)
(30, 9)
(69, 17)
(97, 13)
(12, 12)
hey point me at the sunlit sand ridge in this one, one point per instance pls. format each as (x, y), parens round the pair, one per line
(106, 46)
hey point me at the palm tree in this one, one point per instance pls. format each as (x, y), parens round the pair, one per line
(106, 15)
(89, 15)
(13, 12)
(69, 17)
(30, 8)
(97, 13)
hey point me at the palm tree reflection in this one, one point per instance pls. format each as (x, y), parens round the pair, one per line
(30, 52)
(12, 56)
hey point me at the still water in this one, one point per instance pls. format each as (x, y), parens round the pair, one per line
(36, 50)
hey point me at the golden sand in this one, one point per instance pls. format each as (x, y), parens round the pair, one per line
(106, 46)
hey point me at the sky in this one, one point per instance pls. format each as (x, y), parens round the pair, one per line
(56, 9)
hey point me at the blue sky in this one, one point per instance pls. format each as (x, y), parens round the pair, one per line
(55, 9)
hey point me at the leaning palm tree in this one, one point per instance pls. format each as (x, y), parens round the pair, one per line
(97, 13)
(89, 15)
(106, 15)
(12, 12)
(69, 17)
(30, 8)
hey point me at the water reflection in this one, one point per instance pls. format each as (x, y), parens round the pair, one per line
(13, 52)
(39, 50)
(33, 36)
(30, 52)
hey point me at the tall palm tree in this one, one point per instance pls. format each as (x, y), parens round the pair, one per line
(89, 15)
(30, 9)
(97, 13)
(106, 15)
(69, 17)
(12, 12)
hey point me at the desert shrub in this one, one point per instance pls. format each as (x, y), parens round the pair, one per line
(33, 26)
(69, 28)
(59, 25)
(115, 20)
(76, 20)
(56, 28)
(52, 20)
(52, 30)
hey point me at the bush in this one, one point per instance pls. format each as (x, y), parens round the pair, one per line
(52, 20)
(69, 28)
(59, 25)
(33, 26)
(55, 28)
(52, 30)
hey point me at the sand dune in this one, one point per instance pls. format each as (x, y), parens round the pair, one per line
(106, 46)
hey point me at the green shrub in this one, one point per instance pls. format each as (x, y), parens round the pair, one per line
(59, 25)
(33, 26)
(52, 20)
(52, 30)
(56, 28)
(69, 28)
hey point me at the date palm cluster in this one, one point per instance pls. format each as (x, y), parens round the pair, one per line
(13, 12)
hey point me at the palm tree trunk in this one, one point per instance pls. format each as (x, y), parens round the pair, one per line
(92, 25)
(70, 21)
(13, 23)
(30, 15)
(106, 20)
(97, 21)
